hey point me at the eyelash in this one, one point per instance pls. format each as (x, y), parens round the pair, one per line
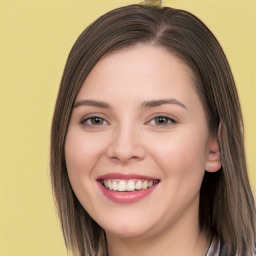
(170, 121)
(84, 121)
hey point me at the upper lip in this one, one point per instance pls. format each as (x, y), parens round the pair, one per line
(122, 176)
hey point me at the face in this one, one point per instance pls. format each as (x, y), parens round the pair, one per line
(138, 143)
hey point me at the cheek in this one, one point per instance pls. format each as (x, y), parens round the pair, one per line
(81, 154)
(181, 155)
(82, 151)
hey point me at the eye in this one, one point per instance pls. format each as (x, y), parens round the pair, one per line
(161, 121)
(94, 121)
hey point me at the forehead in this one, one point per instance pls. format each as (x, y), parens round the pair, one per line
(141, 68)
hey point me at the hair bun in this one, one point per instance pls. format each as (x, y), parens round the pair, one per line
(152, 3)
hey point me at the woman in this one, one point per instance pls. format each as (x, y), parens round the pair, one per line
(147, 151)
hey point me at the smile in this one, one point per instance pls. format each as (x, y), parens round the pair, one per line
(130, 185)
(121, 188)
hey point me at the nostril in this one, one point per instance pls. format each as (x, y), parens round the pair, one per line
(125, 153)
(126, 144)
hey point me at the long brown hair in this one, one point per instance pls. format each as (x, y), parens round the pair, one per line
(227, 209)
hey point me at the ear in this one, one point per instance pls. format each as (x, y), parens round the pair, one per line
(213, 163)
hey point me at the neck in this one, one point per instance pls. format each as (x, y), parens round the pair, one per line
(182, 238)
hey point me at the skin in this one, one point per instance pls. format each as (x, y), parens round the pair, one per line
(129, 139)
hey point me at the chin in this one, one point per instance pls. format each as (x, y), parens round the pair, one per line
(128, 225)
(126, 231)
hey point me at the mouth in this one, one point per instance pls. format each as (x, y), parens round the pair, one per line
(121, 188)
(128, 185)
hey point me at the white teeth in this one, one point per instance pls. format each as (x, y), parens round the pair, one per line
(110, 184)
(128, 185)
(114, 185)
(145, 184)
(122, 186)
(139, 185)
(106, 183)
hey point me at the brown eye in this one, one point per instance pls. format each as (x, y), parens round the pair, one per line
(161, 121)
(95, 120)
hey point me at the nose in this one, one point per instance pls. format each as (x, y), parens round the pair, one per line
(126, 146)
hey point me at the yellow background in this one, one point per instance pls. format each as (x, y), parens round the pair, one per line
(35, 39)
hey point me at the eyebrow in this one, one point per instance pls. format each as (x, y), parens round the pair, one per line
(94, 103)
(155, 103)
(145, 104)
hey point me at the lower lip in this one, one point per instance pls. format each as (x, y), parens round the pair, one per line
(126, 197)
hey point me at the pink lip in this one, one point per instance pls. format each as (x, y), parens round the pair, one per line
(125, 176)
(125, 197)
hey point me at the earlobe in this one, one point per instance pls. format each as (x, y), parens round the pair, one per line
(213, 163)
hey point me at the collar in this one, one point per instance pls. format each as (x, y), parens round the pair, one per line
(211, 252)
